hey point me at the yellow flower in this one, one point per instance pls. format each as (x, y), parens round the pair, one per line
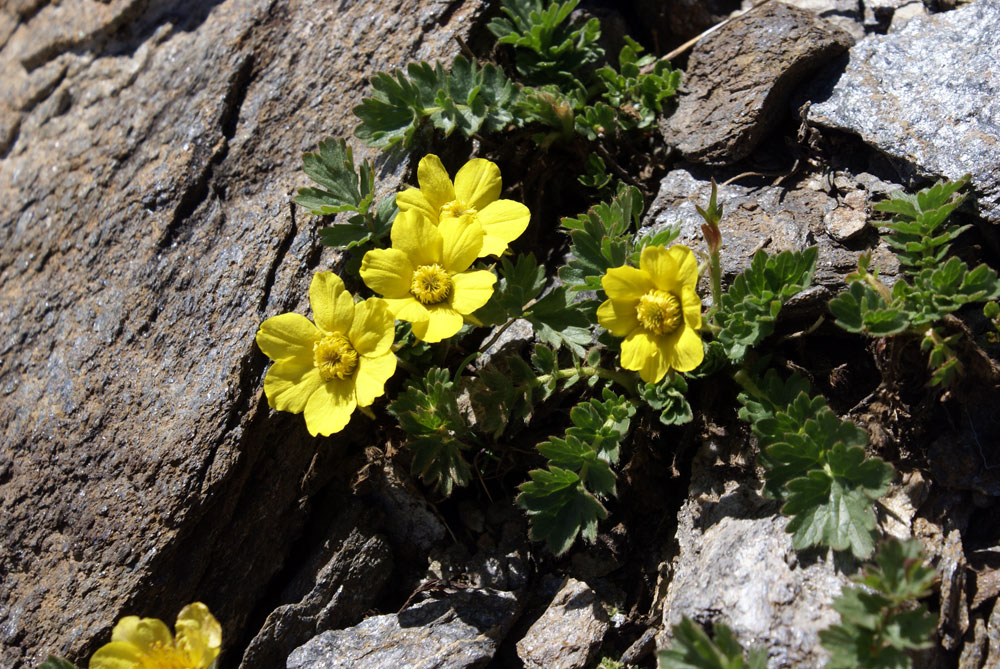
(423, 276)
(657, 310)
(146, 643)
(328, 369)
(474, 193)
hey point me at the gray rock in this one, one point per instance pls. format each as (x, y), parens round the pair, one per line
(147, 231)
(929, 97)
(845, 14)
(772, 218)
(993, 633)
(354, 565)
(739, 78)
(736, 565)
(458, 632)
(569, 633)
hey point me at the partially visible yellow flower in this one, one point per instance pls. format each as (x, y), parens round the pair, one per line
(146, 643)
(328, 369)
(424, 275)
(474, 193)
(657, 310)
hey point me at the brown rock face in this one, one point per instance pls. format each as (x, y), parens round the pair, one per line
(147, 155)
(739, 78)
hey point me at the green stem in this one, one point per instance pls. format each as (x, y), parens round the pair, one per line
(621, 378)
(461, 368)
(742, 377)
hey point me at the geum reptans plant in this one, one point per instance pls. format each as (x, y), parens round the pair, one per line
(475, 193)
(426, 277)
(327, 369)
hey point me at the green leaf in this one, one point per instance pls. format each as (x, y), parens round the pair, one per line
(343, 189)
(344, 235)
(560, 508)
(602, 425)
(559, 321)
(503, 394)
(917, 218)
(520, 282)
(879, 623)
(601, 239)
(693, 649)
(815, 462)
(407, 105)
(668, 398)
(428, 412)
(53, 662)
(549, 48)
(748, 310)
(571, 453)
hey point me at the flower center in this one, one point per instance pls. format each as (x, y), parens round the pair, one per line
(162, 656)
(335, 357)
(457, 208)
(431, 284)
(659, 312)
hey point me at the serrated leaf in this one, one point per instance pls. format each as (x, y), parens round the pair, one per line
(880, 623)
(428, 412)
(559, 321)
(668, 398)
(601, 239)
(332, 167)
(560, 508)
(748, 310)
(344, 235)
(693, 649)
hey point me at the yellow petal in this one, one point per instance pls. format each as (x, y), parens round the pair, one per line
(661, 267)
(332, 305)
(434, 182)
(287, 336)
(687, 265)
(412, 198)
(442, 322)
(687, 351)
(492, 246)
(142, 632)
(626, 283)
(641, 353)
(199, 634)
(478, 183)
(374, 327)
(617, 317)
(504, 220)
(462, 238)
(330, 407)
(117, 655)
(415, 235)
(289, 384)
(373, 372)
(471, 290)
(387, 272)
(691, 305)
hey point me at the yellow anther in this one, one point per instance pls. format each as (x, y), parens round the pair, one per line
(659, 312)
(335, 358)
(431, 284)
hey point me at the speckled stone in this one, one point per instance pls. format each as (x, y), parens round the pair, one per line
(928, 95)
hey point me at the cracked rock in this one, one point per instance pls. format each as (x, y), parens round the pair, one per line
(460, 631)
(739, 79)
(570, 631)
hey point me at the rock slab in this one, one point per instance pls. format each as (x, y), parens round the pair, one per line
(570, 631)
(736, 566)
(459, 632)
(740, 77)
(928, 95)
